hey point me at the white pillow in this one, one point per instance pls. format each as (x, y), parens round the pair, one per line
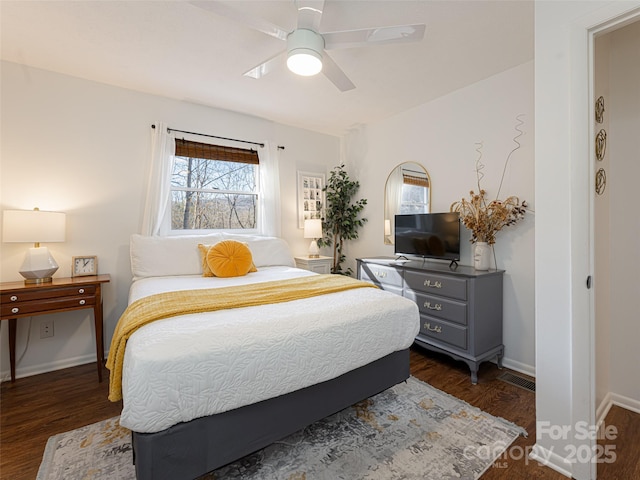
(266, 251)
(178, 255)
(153, 256)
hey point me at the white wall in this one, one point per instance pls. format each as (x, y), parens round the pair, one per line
(83, 148)
(442, 135)
(564, 252)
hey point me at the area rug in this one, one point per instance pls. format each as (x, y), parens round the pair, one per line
(410, 431)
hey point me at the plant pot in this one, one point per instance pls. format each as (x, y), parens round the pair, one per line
(482, 256)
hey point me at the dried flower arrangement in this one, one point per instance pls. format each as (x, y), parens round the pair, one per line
(486, 218)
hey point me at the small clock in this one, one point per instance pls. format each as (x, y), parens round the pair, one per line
(81, 266)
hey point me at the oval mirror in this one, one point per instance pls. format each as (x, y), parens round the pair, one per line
(408, 190)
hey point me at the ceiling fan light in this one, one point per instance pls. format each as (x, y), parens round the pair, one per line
(304, 49)
(304, 61)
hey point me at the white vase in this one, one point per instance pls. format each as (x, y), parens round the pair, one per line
(482, 256)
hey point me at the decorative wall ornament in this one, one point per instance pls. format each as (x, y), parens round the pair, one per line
(601, 147)
(601, 181)
(601, 144)
(311, 198)
(599, 109)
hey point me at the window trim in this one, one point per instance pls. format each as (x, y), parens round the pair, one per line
(206, 151)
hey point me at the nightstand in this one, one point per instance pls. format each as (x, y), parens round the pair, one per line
(318, 265)
(20, 300)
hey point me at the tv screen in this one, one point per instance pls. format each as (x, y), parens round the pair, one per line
(429, 235)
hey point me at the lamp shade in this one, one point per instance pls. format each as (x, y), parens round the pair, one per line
(313, 228)
(33, 226)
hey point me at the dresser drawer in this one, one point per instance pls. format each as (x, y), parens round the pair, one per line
(26, 295)
(439, 307)
(460, 309)
(11, 310)
(436, 284)
(381, 275)
(444, 332)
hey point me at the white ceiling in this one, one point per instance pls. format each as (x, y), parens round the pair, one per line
(177, 50)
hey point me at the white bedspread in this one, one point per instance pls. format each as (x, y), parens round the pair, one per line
(182, 368)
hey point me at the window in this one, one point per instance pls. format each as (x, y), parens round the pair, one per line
(415, 193)
(213, 187)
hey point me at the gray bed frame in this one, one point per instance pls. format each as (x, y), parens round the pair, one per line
(189, 450)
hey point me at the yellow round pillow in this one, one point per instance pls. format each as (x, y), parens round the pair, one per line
(229, 258)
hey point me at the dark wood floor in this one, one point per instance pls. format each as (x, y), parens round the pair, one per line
(34, 408)
(518, 405)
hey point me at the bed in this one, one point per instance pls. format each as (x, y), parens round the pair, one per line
(201, 390)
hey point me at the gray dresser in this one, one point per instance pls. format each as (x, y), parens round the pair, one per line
(460, 307)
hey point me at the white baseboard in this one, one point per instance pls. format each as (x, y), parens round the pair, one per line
(603, 409)
(551, 460)
(49, 366)
(519, 367)
(611, 399)
(626, 402)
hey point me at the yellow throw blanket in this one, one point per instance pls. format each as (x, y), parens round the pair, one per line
(170, 304)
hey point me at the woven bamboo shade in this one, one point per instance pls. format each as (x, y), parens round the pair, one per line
(189, 148)
(417, 181)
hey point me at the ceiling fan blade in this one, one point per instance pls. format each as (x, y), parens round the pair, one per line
(374, 36)
(247, 19)
(334, 73)
(266, 67)
(310, 14)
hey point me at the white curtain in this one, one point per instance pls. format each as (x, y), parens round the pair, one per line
(157, 208)
(269, 222)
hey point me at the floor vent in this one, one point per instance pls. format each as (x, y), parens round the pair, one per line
(518, 381)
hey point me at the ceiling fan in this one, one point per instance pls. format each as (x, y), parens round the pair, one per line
(306, 50)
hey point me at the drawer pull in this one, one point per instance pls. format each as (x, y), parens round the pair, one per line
(432, 284)
(82, 302)
(436, 328)
(15, 310)
(381, 274)
(81, 290)
(435, 306)
(13, 298)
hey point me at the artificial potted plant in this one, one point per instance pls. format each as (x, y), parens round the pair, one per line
(342, 216)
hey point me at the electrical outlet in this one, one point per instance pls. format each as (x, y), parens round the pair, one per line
(46, 329)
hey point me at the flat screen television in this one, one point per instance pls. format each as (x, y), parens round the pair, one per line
(428, 235)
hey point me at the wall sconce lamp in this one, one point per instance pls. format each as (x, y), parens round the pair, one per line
(35, 226)
(313, 230)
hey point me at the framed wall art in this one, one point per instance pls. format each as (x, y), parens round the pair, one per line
(311, 198)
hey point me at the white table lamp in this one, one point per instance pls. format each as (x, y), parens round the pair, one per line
(313, 230)
(35, 226)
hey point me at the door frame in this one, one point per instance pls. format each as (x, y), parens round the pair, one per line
(583, 35)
